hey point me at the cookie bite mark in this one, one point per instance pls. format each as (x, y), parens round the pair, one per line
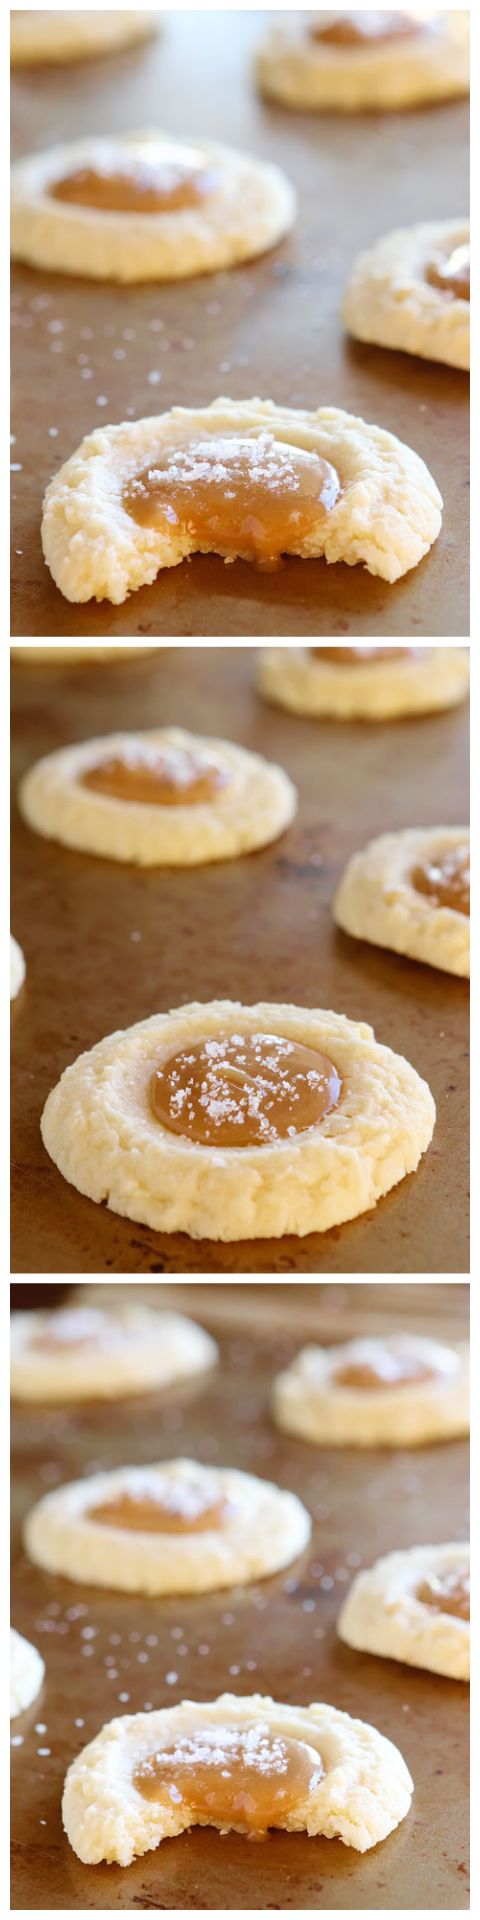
(250, 1779)
(445, 881)
(251, 498)
(163, 777)
(244, 1090)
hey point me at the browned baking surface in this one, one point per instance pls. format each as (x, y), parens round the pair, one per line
(271, 328)
(276, 1637)
(251, 929)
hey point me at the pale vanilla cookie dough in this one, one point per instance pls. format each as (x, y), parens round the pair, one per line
(392, 1390)
(354, 59)
(93, 1353)
(363, 683)
(412, 291)
(146, 206)
(410, 891)
(244, 479)
(173, 1528)
(27, 1673)
(229, 1122)
(37, 37)
(17, 968)
(414, 1606)
(160, 798)
(241, 1764)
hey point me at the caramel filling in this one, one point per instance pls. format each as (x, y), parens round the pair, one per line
(360, 656)
(244, 1090)
(255, 498)
(134, 183)
(359, 28)
(157, 776)
(446, 1593)
(76, 1328)
(387, 1369)
(169, 1507)
(250, 1780)
(452, 274)
(446, 881)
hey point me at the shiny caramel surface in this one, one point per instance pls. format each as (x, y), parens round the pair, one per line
(446, 881)
(159, 777)
(130, 183)
(244, 1090)
(169, 1507)
(452, 274)
(257, 498)
(358, 27)
(386, 1369)
(446, 1593)
(224, 1776)
(361, 656)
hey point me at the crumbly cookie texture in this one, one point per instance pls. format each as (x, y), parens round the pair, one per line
(308, 1400)
(253, 808)
(387, 516)
(27, 1672)
(302, 73)
(430, 679)
(59, 35)
(383, 1615)
(17, 968)
(390, 303)
(71, 654)
(376, 900)
(250, 208)
(264, 1531)
(99, 1129)
(365, 1792)
(102, 1355)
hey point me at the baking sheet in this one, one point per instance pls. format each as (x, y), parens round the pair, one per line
(259, 928)
(86, 354)
(278, 1636)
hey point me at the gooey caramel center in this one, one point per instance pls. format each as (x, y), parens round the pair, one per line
(130, 183)
(359, 27)
(159, 777)
(75, 1328)
(446, 881)
(384, 1369)
(244, 1090)
(361, 656)
(250, 1779)
(256, 498)
(446, 1593)
(165, 1507)
(451, 274)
